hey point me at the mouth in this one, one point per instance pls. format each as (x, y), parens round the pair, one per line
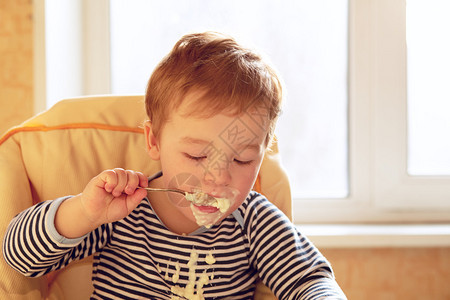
(208, 203)
(206, 208)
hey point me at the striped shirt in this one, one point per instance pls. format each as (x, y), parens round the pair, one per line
(139, 258)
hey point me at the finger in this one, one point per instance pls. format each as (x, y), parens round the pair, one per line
(143, 180)
(132, 182)
(108, 180)
(122, 179)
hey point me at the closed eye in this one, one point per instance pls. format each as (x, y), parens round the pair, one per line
(194, 157)
(243, 162)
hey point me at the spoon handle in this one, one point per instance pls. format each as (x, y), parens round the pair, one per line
(165, 190)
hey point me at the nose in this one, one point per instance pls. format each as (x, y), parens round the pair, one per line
(218, 174)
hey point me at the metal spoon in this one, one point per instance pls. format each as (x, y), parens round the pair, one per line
(191, 195)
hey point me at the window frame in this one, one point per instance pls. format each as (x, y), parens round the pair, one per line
(83, 49)
(396, 188)
(380, 190)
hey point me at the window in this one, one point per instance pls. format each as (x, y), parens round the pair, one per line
(428, 45)
(310, 53)
(399, 190)
(353, 99)
(74, 60)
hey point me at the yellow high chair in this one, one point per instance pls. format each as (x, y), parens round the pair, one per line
(58, 151)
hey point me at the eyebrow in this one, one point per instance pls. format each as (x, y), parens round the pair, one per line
(191, 140)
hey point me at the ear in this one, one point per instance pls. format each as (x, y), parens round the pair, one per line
(151, 142)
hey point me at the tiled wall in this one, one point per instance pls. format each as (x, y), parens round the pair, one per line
(16, 62)
(362, 273)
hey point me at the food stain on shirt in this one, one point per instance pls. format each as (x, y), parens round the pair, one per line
(194, 287)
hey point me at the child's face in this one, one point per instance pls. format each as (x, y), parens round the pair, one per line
(221, 155)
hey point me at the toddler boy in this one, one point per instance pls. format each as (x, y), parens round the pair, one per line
(212, 107)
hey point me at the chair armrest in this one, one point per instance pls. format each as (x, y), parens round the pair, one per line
(15, 196)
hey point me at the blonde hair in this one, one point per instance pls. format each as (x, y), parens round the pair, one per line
(233, 79)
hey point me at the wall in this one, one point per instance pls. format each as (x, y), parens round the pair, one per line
(392, 273)
(397, 273)
(16, 62)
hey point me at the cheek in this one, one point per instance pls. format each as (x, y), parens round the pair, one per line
(248, 176)
(244, 183)
(177, 174)
(172, 166)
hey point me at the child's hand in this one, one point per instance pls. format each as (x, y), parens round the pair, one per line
(112, 195)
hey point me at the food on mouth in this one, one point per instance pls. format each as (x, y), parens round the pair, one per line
(206, 209)
(200, 198)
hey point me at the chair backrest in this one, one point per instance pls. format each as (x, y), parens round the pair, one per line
(58, 151)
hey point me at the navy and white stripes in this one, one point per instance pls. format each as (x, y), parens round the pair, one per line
(137, 257)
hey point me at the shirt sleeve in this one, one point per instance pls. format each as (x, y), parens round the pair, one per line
(33, 246)
(286, 261)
